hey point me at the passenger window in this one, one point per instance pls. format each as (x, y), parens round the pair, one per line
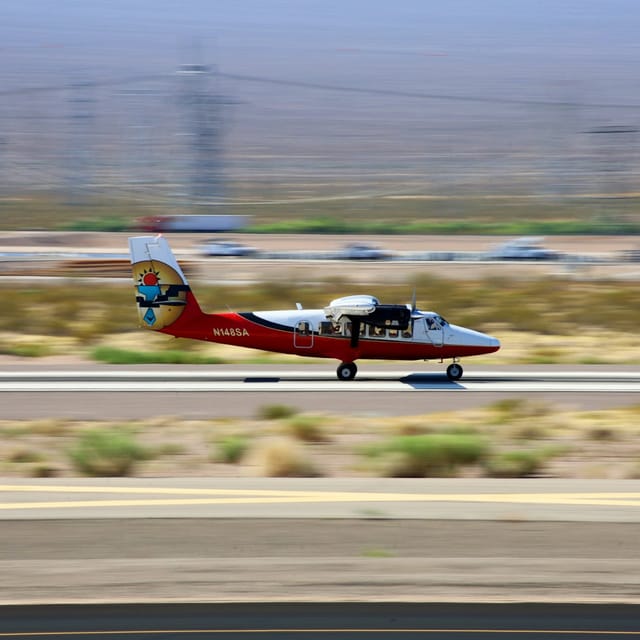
(408, 332)
(393, 333)
(304, 328)
(377, 332)
(326, 328)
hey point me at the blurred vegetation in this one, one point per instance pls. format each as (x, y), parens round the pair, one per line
(451, 214)
(518, 463)
(282, 458)
(431, 454)
(111, 355)
(522, 227)
(307, 427)
(276, 411)
(510, 438)
(107, 452)
(546, 306)
(230, 449)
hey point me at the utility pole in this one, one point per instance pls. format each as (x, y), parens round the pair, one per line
(81, 123)
(201, 125)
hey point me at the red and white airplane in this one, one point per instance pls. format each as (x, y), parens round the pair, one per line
(348, 329)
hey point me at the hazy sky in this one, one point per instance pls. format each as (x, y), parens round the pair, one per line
(265, 35)
(492, 77)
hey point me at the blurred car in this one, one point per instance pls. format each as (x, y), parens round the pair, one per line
(362, 252)
(226, 248)
(523, 249)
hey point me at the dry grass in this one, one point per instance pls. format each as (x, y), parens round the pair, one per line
(538, 321)
(521, 438)
(282, 458)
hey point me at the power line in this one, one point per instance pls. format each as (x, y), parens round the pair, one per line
(419, 95)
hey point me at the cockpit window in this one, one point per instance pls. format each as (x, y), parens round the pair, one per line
(435, 323)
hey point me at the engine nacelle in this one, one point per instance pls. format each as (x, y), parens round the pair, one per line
(367, 309)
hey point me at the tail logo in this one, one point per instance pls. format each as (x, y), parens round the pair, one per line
(161, 293)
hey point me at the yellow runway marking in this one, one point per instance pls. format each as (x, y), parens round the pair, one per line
(177, 496)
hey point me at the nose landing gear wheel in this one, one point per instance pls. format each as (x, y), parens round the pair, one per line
(454, 372)
(347, 371)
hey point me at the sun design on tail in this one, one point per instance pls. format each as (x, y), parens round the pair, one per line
(161, 291)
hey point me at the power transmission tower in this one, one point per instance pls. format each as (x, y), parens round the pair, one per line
(81, 121)
(201, 110)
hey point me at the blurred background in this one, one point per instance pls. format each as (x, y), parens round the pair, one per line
(303, 108)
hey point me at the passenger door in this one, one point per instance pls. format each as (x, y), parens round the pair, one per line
(435, 332)
(303, 335)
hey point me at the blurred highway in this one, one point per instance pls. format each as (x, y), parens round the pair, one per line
(280, 257)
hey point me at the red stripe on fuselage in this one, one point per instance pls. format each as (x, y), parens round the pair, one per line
(235, 329)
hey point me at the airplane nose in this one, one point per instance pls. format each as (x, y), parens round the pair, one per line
(477, 339)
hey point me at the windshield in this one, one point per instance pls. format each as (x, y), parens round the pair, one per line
(435, 323)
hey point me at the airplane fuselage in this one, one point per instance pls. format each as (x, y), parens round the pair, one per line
(307, 332)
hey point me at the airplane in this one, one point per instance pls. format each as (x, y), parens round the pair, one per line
(355, 327)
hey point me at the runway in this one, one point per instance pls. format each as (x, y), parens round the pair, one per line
(481, 499)
(318, 539)
(293, 380)
(99, 391)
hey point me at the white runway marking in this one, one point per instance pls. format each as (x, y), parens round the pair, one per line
(310, 379)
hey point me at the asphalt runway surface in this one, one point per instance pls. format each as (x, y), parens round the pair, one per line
(103, 392)
(70, 540)
(323, 621)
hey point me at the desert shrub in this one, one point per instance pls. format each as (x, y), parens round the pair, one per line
(27, 350)
(106, 452)
(276, 411)
(307, 427)
(283, 458)
(43, 470)
(23, 456)
(603, 434)
(432, 454)
(515, 464)
(49, 427)
(231, 449)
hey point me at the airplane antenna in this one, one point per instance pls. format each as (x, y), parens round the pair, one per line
(413, 301)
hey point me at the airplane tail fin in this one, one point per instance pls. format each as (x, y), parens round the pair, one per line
(163, 294)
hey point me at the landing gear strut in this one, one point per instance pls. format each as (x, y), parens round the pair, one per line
(347, 371)
(454, 372)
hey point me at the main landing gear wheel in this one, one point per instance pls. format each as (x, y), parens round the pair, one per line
(454, 372)
(347, 371)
